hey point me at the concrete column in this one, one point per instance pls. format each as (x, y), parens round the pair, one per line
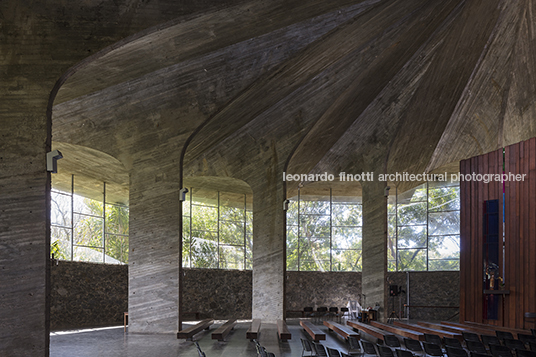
(154, 251)
(374, 245)
(269, 251)
(24, 233)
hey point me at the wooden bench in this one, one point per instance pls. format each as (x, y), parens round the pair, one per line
(371, 330)
(223, 330)
(254, 330)
(282, 331)
(429, 330)
(400, 331)
(315, 333)
(467, 328)
(192, 330)
(342, 330)
(494, 328)
(448, 328)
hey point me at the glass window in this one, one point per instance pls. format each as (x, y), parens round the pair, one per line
(84, 226)
(217, 230)
(424, 228)
(324, 232)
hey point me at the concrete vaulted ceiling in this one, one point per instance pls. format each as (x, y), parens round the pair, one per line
(383, 85)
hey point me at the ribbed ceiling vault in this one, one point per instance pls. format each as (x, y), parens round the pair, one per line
(383, 85)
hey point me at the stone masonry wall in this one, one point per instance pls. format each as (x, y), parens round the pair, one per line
(218, 294)
(91, 295)
(87, 295)
(428, 289)
(321, 289)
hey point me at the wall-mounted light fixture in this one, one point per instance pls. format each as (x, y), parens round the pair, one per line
(182, 194)
(52, 160)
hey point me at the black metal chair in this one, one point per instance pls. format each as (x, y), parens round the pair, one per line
(532, 346)
(514, 344)
(343, 311)
(404, 353)
(199, 352)
(320, 350)
(369, 348)
(525, 353)
(501, 335)
(432, 349)
(353, 345)
(391, 341)
(500, 351)
(413, 345)
(332, 312)
(490, 340)
(477, 347)
(455, 352)
(385, 351)
(476, 354)
(332, 352)
(307, 347)
(526, 338)
(431, 338)
(452, 342)
(321, 312)
(308, 311)
(469, 336)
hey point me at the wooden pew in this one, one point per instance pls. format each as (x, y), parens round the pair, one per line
(282, 331)
(192, 330)
(223, 330)
(254, 330)
(423, 329)
(400, 331)
(494, 328)
(371, 330)
(315, 333)
(453, 329)
(342, 330)
(468, 328)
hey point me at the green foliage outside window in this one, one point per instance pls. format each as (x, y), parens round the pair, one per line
(324, 233)
(424, 228)
(88, 230)
(217, 230)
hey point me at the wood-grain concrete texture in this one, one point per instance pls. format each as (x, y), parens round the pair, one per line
(240, 89)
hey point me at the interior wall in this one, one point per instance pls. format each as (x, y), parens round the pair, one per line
(312, 288)
(433, 296)
(87, 295)
(519, 268)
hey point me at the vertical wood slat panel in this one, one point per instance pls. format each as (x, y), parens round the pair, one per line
(498, 189)
(465, 229)
(511, 244)
(483, 196)
(477, 312)
(520, 233)
(532, 225)
(524, 235)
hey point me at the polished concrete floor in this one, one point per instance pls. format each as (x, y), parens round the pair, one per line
(112, 342)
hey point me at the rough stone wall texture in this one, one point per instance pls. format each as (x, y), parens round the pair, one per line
(87, 295)
(219, 294)
(321, 289)
(429, 289)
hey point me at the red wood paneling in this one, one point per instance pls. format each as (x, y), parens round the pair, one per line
(519, 227)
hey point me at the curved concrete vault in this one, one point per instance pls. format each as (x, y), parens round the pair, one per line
(251, 90)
